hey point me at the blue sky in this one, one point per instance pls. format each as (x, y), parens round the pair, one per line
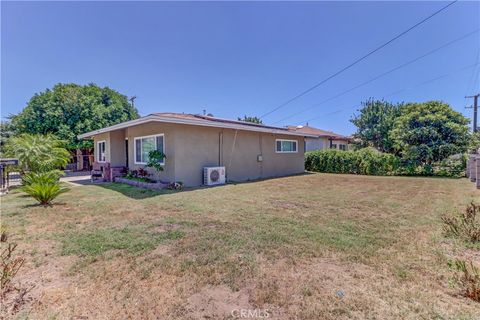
(236, 58)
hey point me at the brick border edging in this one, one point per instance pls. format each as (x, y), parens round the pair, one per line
(141, 184)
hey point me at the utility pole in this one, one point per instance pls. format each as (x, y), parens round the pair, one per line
(132, 99)
(475, 110)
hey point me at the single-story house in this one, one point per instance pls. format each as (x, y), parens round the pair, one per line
(323, 139)
(191, 142)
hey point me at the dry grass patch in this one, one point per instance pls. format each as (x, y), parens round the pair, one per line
(304, 247)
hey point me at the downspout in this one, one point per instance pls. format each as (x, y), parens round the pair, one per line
(231, 154)
(220, 148)
(261, 153)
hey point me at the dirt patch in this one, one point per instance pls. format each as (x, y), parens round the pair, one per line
(329, 288)
(160, 250)
(218, 302)
(43, 274)
(456, 251)
(289, 205)
(165, 227)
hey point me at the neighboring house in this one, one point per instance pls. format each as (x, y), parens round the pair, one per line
(191, 142)
(322, 140)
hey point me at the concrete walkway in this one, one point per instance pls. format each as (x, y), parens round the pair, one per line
(79, 179)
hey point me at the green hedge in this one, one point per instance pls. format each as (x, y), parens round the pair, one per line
(369, 161)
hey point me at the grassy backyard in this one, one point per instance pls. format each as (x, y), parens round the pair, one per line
(303, 247)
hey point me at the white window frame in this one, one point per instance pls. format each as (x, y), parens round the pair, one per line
(296, 146)
(104, 153)
(143, 137)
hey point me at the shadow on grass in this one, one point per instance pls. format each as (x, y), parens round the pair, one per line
(143, 193)
(39, 205)
(306, 173)
(134, 192)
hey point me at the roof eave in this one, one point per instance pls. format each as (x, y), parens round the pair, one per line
(204, 123)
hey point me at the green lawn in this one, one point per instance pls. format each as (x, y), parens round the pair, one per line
(303, 247)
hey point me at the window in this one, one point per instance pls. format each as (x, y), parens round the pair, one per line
(334, 146)
(143, 145)
(101, 151)
(342, 147)
(286, 146)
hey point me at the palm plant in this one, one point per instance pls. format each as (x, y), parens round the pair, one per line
(40, 156)
(46, 177)
(38, 153)
(43, 192)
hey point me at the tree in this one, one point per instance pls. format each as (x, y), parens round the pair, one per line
(429, 132)
(474, 145)
(5, 134)
(250, 119)
(374, 124)
(70, 109)
(38, 153)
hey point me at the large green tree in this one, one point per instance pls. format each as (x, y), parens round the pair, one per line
(374, 123)
(5, 134)
(71, 109)
(429, 132)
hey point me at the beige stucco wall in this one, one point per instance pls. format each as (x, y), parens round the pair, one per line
(197, 147)
(148, 129)
(117, 148)
(340, 142)
(320, 143)
(102, 137)
(313, 144)
(190, 148)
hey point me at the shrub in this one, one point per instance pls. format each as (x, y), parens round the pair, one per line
(451, 167)
(464, 225)
(364, 161)
(370, 161)
(44, 193)
(9, 264)
(47, 177)
(142, 173)
(468, 279)
(139, 175)
(131, 174)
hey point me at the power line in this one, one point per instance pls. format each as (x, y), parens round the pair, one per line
(358, 60)
(433, 79)
(380, 75)
(401, 90)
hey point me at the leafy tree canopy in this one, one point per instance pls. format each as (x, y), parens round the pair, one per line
(250, 119)
(5, 133)
(428, 132)
(374, 124)
(474, 146)
(70, 109)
